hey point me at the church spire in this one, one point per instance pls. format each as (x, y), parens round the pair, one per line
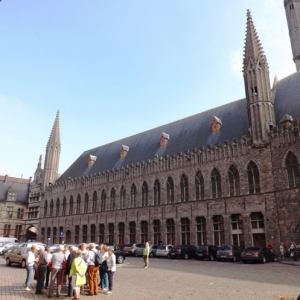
(55, 132)
(257, 86)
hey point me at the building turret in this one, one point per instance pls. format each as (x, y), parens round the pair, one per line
(257, 86)
(292, 11)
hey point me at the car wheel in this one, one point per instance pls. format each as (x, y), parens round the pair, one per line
(8, 263)
(23, 264)
(120, 259)
(151, 254)
(244, 261)
(264, 260)
(135, 254)
(234, 258)
(168, 256)
(211, 258)
(173, 257)
(186, 256)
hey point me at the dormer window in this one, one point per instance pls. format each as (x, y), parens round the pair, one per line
(124, 150)
(11, 195)
(291, 6)
(286, 120)
(216, 124)
(91, 160)
(164, 138)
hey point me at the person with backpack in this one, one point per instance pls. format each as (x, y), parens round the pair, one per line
(93, 270)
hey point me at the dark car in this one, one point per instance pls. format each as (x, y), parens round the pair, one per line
(260, 254)
(120, 257)
(183, 251)
(206, 252)
(229, 252)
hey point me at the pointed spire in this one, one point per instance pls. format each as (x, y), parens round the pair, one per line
(54, 138)
(40, 162)
(253, 49)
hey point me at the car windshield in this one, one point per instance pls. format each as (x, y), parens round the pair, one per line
(224, 248)
(252, 248)
(128, 245)
(202, 247)
(3, 244)
(162, 247)
(178, 246)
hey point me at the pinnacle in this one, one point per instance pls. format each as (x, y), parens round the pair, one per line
(54, 138)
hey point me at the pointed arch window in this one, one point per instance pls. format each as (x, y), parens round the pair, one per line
(86, 203)
(64, 206)
(51, 208)
(184, 188)
(170, 190)
(199, 186)
(133, 196)
(145, 194)
(253, 178)
(57, 207)
(156, 191)
(71, 206)
(292, 169)
(95, 199)
(112, 199)
(122, 197)
(78, 204)
(234, 181)
(103, 200)
(216, 187)
(46, 208)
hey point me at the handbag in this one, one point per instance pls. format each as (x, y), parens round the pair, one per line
(104, 267)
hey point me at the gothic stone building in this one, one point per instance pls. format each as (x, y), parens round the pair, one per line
(229, 175)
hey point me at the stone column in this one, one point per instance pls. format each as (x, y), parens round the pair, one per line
(209, 231)
(193, 233)
(227, 229)
(138, 232)
(150, 232)
(247, 229)
(177, 231)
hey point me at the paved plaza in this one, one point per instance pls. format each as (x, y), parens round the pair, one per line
(179, 279)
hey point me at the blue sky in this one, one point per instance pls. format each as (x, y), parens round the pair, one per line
(116, 68)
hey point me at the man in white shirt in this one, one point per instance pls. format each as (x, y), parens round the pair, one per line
(92, 270)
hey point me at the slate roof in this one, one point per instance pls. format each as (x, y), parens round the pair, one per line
(189, 133)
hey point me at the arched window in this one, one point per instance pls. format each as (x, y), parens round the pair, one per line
(86, 203)
(234, 181)
(51, 208)
(199, 186)
(184, 188)
(46, 208)
(95, 199)
(253, 178)
(112, 199)
(144, 194)
(103, 200)
(133, 196)
(170, 190)
(156, 191)
(292, 169)
(78, 204)
(71, 206)
(57, 207)
(64, 206)
(122, 197)
(216, 188)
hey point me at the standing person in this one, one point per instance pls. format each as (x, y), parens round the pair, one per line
(49, 256)
(92, 271)
(42, 270)
(104, 270)
(281, 250)
(84, 256)
(70, 260)
(56, 273)
(30, 260)
(77, 274)
(66, 253)
(146, 252)
(100, 247)
(270, 245)
(111, 264)
(292, 250)
(295, 251)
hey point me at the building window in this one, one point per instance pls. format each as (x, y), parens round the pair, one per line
(77, 230)
(11, 196)
(121, 233)
(46, 208)
(170, 190)
(111, 233)
(216, 188)
(170, 232)
(292, 168)
(199, 186)
(86, 204)
(156, 191)
(43, 235)
(51, 208)
(63, 213)
(201, 231)
(20, 213)
(133, 196)
(113, 199)
(291, 6)
(122, 197)
(257, 221)
(54, 235)
(218, 223)
(93, 233)
(84, 233)
(9, 212)
(95, 198)
(144, 194)
(185, 231)
(144, 232)
(78, 203)
(71, 206)
(48, 232)
(253, 178)
(57, 207)
(234, 181)
(237, 227)
(156, 231)
(103, 200)
(184, 188)
(6, 231)
(132, 232)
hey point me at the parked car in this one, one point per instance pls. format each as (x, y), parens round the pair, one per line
(25, 247)
(130, 249)
(206, 252)
(7, 249)
(4, 246)
(16, 256)
(183, 251)
(260, 254)
(164, 251)
(229, 252)
(153, 251)
(120, 257)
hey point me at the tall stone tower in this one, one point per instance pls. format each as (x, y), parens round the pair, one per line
(52, 154)
(292, 10)
(260, 103)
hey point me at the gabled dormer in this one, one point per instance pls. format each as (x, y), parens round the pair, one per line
(164, 138)
(286, 120)
(123, 151)
(91, 160)
(11, 194)
(216, 124)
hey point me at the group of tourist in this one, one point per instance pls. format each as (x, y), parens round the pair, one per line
(81, 268)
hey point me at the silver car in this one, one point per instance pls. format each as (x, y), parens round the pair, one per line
(15, 256)
(164, 251)
(130, 249)
(4, 246)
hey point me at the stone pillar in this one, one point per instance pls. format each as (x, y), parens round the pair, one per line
(227, 229)
(209, 231)
(138, 232)
(177, 232)
(150, 232)
(163, 230)
(247, 229)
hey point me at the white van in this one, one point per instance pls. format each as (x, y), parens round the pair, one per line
(8, 240)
